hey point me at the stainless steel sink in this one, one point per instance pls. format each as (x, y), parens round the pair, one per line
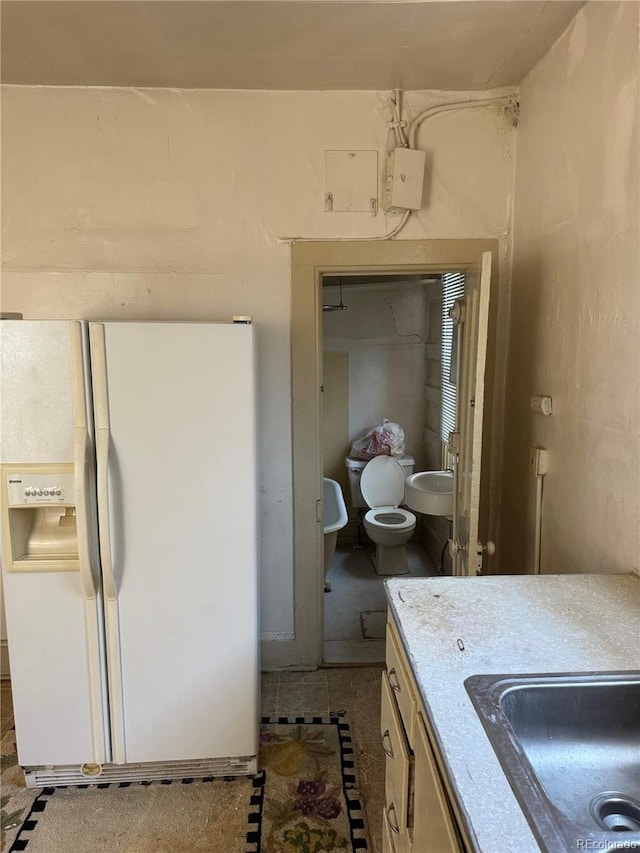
(569, 745)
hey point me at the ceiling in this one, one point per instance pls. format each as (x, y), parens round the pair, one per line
(279, 44)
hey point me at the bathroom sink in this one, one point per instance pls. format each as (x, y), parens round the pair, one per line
(430, 492)
(569, 745)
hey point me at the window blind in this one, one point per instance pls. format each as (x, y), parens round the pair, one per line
(452, 289)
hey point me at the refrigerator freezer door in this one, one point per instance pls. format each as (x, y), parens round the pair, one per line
(54, 618)
(37, 391)
(181, 492)
(47, 627)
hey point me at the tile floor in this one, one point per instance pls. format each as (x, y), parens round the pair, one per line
(354, 690)
(355, 609)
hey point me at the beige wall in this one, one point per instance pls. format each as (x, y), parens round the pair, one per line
(575, 323)
(121, 203)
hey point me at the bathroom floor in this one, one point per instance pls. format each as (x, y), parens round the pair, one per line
(355, 609)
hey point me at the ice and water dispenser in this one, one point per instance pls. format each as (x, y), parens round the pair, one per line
(39, 518)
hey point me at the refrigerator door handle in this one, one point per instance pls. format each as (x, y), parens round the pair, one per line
(112, 617)
(103, 444)
(80, 452)
(110, 589)
(103, 441)
(86, 553)
(82, 514)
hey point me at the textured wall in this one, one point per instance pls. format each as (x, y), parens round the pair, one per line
(147, 204)
(575, 319)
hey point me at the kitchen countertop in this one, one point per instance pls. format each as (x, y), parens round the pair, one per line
(506, 624)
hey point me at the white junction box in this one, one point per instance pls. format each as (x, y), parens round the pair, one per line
(405, 178)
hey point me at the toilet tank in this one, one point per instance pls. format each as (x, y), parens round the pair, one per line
(355, 468)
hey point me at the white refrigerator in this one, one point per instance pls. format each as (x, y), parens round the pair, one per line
(129, 546)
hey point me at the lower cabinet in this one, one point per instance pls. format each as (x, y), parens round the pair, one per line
(417, 816)
(433, 824)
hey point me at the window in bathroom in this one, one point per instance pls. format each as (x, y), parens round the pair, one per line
(452, 289)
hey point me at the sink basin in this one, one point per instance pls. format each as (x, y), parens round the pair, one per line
(430, 492)
(569, 745)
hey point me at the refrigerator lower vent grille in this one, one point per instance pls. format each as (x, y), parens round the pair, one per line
(39, 777)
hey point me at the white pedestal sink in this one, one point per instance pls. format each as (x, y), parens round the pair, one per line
(430, 492)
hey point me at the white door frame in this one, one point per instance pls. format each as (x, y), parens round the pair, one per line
(310, 260)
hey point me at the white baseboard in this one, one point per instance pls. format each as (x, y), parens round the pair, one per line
(354, 651)
(278, 636)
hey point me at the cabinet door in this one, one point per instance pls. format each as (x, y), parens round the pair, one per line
(397, 770)
(433, 827)
(400, 681)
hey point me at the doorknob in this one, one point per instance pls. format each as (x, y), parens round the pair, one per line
(455, 547)
(489, 548)
(457, 312)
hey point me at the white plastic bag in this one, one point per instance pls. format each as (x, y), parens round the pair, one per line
(386, 439)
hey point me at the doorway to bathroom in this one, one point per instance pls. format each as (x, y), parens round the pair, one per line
(312, 264)
(387, 347)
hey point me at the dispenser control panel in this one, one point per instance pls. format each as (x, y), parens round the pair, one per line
(34, 488)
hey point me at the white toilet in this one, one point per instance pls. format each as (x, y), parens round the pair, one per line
(382, 486)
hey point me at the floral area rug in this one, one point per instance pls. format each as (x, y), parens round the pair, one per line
(311, 802)
(303, 800)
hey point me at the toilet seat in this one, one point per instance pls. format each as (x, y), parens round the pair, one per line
(397, 519)
(382, 482)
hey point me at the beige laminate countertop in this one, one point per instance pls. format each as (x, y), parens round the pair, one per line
(506, 624)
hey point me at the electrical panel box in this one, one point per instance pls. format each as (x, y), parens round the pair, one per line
(405, 178)
(351, 182)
